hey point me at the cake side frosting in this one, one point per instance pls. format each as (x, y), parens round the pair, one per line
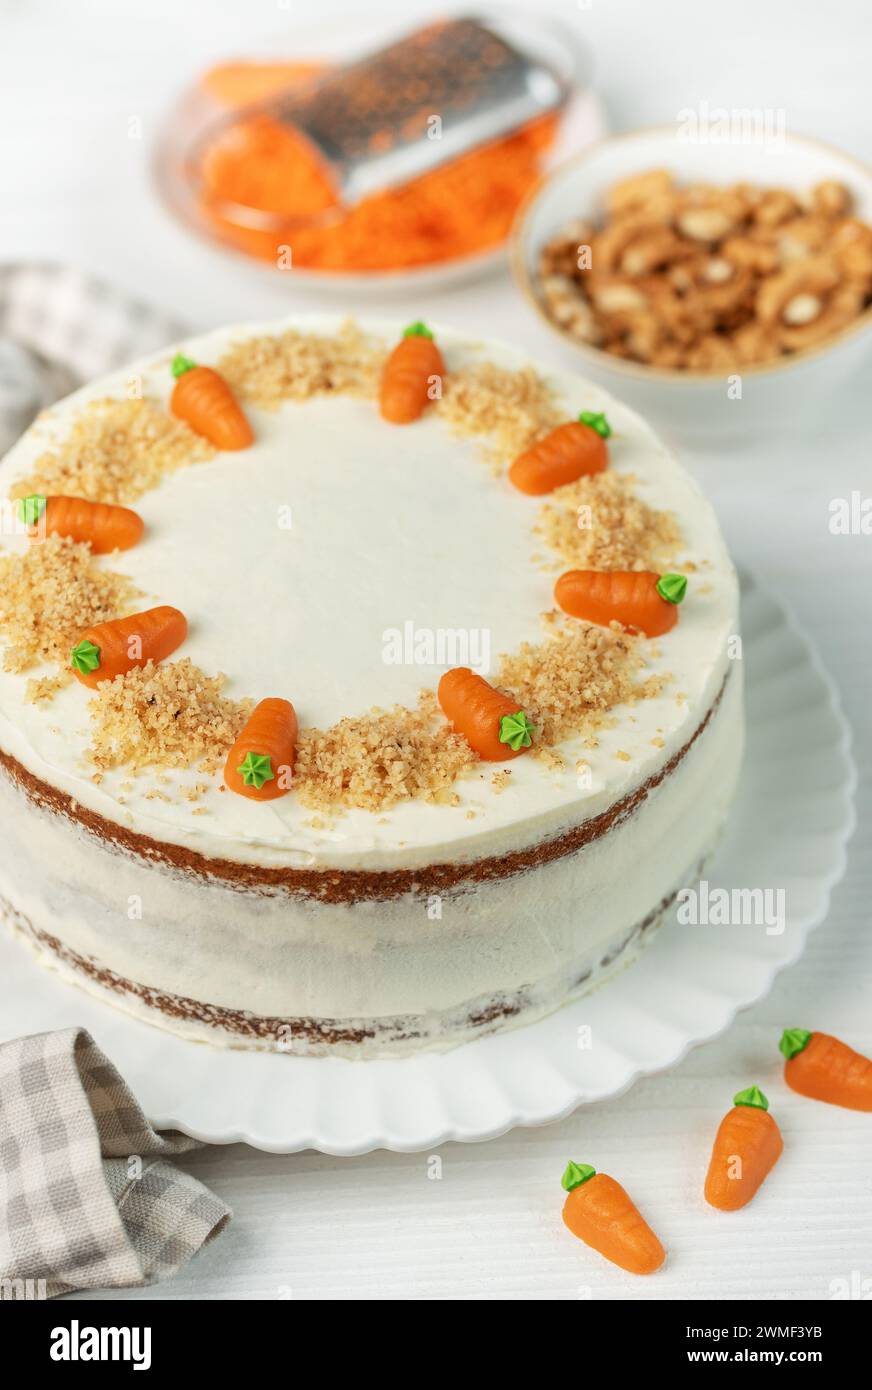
(366, 977)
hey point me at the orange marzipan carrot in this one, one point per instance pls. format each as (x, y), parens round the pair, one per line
(103, 525)
(641, 600)
(112, 649)
(261, 762)
(569, 452)
(600, 1212)
(203, 399)
(747, 1146)
(409, 376)
(492, 724)
(824, 1068)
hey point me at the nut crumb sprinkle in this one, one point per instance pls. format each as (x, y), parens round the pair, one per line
(600, 523)
(512, 409)
(378, 759)
(294, 366)
(115, 451)
(171, 715)
(41, 689)
(569, 683)
(49, 594)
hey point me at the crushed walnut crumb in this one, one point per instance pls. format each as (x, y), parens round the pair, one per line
(512, 409)
(196, 792)
(49, 594)
(294, 366)
(378, 759)
(115, 451)
(600, 523)
(567, 685)
(171, 715)
(552, 759)
(501, 779)
(41, 689)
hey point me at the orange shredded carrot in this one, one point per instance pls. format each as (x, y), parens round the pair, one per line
(463, 207)
(237, 84)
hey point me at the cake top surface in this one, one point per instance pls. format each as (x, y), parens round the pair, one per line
(344, 564)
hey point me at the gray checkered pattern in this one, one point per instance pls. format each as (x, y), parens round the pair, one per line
(88, 1199)
(60, 328)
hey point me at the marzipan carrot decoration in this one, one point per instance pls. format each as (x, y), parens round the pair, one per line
(824, 1068)
(569, 452)
(112, 649)
(410, 374)
(202, 398)
(600, 1213)
(261, 761)
(747, 1146)
(490, 722)
(642, 601)
(105, 527)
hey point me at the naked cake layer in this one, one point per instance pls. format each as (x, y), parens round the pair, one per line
(402, 888)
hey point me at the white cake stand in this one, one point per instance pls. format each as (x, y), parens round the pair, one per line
(789, 827)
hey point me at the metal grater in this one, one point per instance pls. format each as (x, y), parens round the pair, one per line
(421, 102)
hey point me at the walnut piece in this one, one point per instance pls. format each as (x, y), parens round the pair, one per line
(709, 279)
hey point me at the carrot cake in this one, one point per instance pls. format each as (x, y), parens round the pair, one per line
(387, 699)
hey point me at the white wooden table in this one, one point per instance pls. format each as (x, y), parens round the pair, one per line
(77, 189)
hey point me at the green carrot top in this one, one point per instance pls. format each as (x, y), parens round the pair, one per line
(181, 364)
(256, 769)
(576, 1174)
(31, 508)
(418, 329)
(597, 421)
(516, 730)
(672, 587)
(794, 1040)
(85, 657)
(752, 1096)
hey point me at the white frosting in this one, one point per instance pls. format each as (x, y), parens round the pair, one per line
(408, 978)
(390, 525)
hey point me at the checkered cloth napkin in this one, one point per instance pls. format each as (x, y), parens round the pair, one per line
(58, 329)
(87, 1197)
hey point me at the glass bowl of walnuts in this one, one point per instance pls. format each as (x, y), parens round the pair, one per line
(718, 279)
